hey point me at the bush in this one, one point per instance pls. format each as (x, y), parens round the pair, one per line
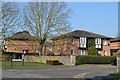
(52, 62)
(93, 51)
(94, 59)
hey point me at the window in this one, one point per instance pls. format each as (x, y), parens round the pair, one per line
(72, 40)
(105, 53)
(81, 52)
(105, 42)
(98, 42)
(71, 52)
(82, 42)
(98, 52)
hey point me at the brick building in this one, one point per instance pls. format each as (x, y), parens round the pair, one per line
(73, 43)
(21, 41)
(114, 45)
(76, 43)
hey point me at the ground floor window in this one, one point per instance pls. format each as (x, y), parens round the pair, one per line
(71, 52)
(105, 53)
(98, 52)
(17, 56)
(81, 52)
(113, 52)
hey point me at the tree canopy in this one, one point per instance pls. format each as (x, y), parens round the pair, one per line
(46, 19)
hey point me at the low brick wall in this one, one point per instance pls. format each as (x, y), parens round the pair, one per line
(65, 60)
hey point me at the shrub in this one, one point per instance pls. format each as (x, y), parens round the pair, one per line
(94, 59)
(91, 47)
(92, 51)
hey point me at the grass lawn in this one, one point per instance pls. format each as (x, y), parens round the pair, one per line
(19, 64)
(116, 75)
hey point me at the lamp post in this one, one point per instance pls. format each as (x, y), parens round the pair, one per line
(11, 59)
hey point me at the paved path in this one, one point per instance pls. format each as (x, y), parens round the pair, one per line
(83, 71)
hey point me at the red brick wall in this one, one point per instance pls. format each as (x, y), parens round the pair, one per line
(106, 48)
(65, 45)
(115, 45)
(18, 46)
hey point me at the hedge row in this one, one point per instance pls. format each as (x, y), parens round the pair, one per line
(94, 59)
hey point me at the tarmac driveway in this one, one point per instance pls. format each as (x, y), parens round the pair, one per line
(82, 71)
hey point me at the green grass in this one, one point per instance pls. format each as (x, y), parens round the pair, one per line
(19, 64)
(115, 73)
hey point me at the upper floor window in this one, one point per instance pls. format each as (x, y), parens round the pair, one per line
(72, 40)
(97, 40)
(104, 42)
(82, 42)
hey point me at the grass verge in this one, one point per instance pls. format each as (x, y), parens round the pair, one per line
(115, 75)
(20, 64)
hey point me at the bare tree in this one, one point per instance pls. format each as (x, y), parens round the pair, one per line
(8, 19)
(9, 15)
(46, 19)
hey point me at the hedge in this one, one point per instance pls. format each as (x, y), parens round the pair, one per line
(94, 59)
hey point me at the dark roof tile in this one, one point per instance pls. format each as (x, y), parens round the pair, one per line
(24, 35)
(82, 33)
(116, 39)
(79, 33)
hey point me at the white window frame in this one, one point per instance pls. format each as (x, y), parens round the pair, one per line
(104, 42)
(81, 52)
(105, 52)
(82, 42)
(98, 52)
(98, 42)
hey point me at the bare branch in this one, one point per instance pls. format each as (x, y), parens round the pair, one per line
(46, 19)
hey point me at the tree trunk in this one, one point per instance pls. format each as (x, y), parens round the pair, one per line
(41, 49)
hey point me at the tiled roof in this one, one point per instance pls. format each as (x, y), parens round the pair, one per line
(24, 35)
(116, 39)
(82, 33)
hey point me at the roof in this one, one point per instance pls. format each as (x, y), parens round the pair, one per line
(23, 35)
(117, 39)
(82, 33)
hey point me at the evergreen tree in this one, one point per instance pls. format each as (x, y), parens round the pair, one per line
(91, 47)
